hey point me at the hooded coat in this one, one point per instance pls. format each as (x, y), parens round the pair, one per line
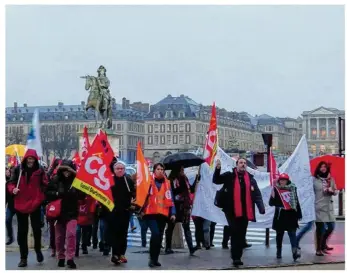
(60, 188)
(32, 184)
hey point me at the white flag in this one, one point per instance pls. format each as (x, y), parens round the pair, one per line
(34, 136)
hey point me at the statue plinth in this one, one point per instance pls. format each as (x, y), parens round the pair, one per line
(112, 138)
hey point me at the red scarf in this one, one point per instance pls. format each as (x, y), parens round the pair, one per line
(237, 197)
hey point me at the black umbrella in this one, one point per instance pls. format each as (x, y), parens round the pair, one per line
(182, 159)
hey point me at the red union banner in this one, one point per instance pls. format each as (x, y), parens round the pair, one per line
(212, 138)
(94, 177)
(285, 198)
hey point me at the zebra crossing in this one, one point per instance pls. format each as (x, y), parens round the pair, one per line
(254, 236)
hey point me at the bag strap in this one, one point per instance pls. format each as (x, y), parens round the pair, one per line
(126, 182)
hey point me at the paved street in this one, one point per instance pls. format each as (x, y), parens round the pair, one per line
(216, 258)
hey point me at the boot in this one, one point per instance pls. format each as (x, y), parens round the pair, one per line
(23, 263)
(295, 254)
(39, 257)
(61, 263)
(279, 253)
(71, 264)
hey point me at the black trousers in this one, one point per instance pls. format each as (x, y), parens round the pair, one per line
(84, 233)
(226, 236)
(95, 230)
(23, 228)
(187, 234)
(117, 230)
(212, 230)
(323, 234)
(238, 229)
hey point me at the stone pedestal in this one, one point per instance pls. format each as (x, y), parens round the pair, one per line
(113, 139)
(177, 237)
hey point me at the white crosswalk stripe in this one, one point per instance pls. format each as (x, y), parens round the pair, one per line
(255, 236)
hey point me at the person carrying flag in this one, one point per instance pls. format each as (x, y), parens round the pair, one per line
(285, 199)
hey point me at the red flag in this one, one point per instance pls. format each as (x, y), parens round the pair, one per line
(12, 161)
(212, 138)
(274, 173)
(85, 144)
(106, 149)
(77, 160)
(285, 197)
(94, 176)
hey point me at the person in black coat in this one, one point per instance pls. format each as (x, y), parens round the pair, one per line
(123, 192)
(284, 198)
(240, 195)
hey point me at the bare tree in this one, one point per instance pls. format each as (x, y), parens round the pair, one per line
(232, 143)
(15, 136)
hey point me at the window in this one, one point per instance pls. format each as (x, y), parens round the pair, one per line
(188, 127)
(150, 128)
(150, 140)
(162, 139)
(181, 114)
(168, 138)
(181, 127)
(169, 114)
(156, 128)
(188, 139)
(156, 140)
(175, 128)
(168, 128)
(175, 139)
(181, 139)
(162, 128)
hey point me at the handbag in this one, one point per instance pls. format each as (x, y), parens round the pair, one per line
(221, 197)
(53, 210)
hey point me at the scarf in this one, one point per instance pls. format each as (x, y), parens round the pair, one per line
(237, 197)
(292, 189)
(326, 182)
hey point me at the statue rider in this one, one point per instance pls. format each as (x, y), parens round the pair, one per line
(104, 84)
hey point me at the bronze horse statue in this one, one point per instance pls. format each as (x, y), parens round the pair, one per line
(96, 101)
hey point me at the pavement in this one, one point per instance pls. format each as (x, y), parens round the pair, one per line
(256, 257)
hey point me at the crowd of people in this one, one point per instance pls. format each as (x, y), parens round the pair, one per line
(83, 222)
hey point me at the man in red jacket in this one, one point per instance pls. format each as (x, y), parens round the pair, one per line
(27, 184)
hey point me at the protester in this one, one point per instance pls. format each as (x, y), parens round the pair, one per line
(202, 232)
(27, 184)
(324, 188)
(240, 195)
(182, 195)
(85, 220)
(123, 193)
(10, 211)
(157, 210)
(287, 213)
(65, 225)
(52, 171)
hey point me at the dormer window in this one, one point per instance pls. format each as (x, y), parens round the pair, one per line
(169, 114)
(181, 114)
(156, 115)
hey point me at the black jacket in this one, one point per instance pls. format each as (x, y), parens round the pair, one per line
(285, 220)
(60, 188)
(122, 196)
(227, 179)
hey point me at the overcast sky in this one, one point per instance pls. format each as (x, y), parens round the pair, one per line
(246, 58)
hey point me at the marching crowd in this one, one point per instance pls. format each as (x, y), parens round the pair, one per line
(83, 222)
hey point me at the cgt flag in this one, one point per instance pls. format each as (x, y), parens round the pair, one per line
(143, 177)
(94, 176)
(211, 145)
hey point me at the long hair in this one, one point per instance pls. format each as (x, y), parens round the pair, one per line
(174, 174)
(156, 165)
(317, 171)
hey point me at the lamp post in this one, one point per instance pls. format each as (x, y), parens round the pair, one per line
(267, 138)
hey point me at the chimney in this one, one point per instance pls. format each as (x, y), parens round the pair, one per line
(25, 105)
(124, 100)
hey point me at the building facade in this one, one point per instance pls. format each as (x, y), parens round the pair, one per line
(321, 128)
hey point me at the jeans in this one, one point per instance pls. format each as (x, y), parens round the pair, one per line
(187, 234)
(9, 217)
(156, 224)
(132, 222)
(303, 231)
(323, 233)
(292, 238)
(144, 228)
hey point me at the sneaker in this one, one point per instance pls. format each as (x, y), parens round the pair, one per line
(61, 263)
(39, 257)
(23, 263)
(115, 259)
(71, 264)
(123, 259)
(9, 241)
